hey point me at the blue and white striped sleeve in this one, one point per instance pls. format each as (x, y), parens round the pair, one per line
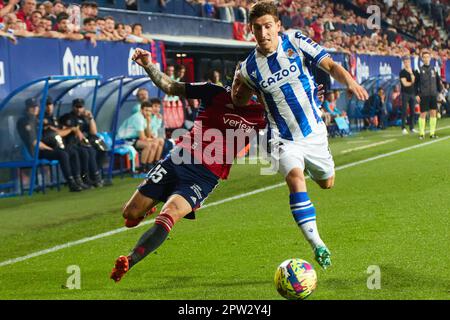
(245, 76)
(312, 50)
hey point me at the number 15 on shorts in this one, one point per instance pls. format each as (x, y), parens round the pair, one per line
(157, 174)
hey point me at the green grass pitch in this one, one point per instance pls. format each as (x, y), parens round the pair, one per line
(392, 212)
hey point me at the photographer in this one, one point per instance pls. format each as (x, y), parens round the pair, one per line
(85, 128)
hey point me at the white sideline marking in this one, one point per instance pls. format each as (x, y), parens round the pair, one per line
(367, 146)
(357, 141)
(243, 195)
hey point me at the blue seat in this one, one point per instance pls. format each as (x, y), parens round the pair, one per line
(41, 164)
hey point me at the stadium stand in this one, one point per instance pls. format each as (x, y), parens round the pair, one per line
(203, 36)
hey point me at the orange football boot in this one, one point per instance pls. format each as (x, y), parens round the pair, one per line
(121, 267)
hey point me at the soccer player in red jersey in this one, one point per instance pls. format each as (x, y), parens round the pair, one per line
(193, 169)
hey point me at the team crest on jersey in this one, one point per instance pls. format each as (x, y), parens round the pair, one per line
(291, 54)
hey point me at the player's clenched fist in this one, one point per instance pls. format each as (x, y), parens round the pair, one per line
(141, 57)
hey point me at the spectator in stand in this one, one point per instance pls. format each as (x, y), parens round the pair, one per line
(8, 36)
(88, 10)
(208, 10)
(15, 27)
(317, 26)
(100, 26)
(138, 34)
(75, 22)
(41, 8)
(109, 31)
(35, 19)
(89, 30)
(128, 36)
(137, 131)
(64, 29)
(242, 15)
(44, 28)
(58, 8)
(8, 8)
(48, 6)
(297, 19)
(225, 10)
(24, 14)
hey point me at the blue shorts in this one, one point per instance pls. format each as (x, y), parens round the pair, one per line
(193, 182)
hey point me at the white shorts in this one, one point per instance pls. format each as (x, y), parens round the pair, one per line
(310, 154)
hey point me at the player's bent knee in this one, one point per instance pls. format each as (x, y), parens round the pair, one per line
(327, 184)
(172, 212)
(131, 211)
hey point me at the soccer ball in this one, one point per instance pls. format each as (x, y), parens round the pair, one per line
(295, 279)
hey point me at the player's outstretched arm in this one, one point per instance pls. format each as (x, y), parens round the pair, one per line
(340, 74)
(160, 79)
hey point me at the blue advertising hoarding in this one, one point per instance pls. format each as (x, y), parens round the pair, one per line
(33, 58)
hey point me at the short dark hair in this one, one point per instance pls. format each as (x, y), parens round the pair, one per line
(424, 52)
(136, 25)
(89, 4)
(99, 18)
(179, 67)
(109, 18)
(62, 16)
(263, 8)
(88, 20)
(60, 2)
(155, 101)
(146, 104)
(141, 89)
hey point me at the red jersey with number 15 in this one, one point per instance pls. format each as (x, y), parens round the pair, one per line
(221, 129)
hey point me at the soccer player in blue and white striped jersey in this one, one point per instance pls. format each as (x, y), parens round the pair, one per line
(277, 72)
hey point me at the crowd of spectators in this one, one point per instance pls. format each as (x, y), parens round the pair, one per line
(328, 23)
(59, 20)
(342, 30)
(400, 15)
